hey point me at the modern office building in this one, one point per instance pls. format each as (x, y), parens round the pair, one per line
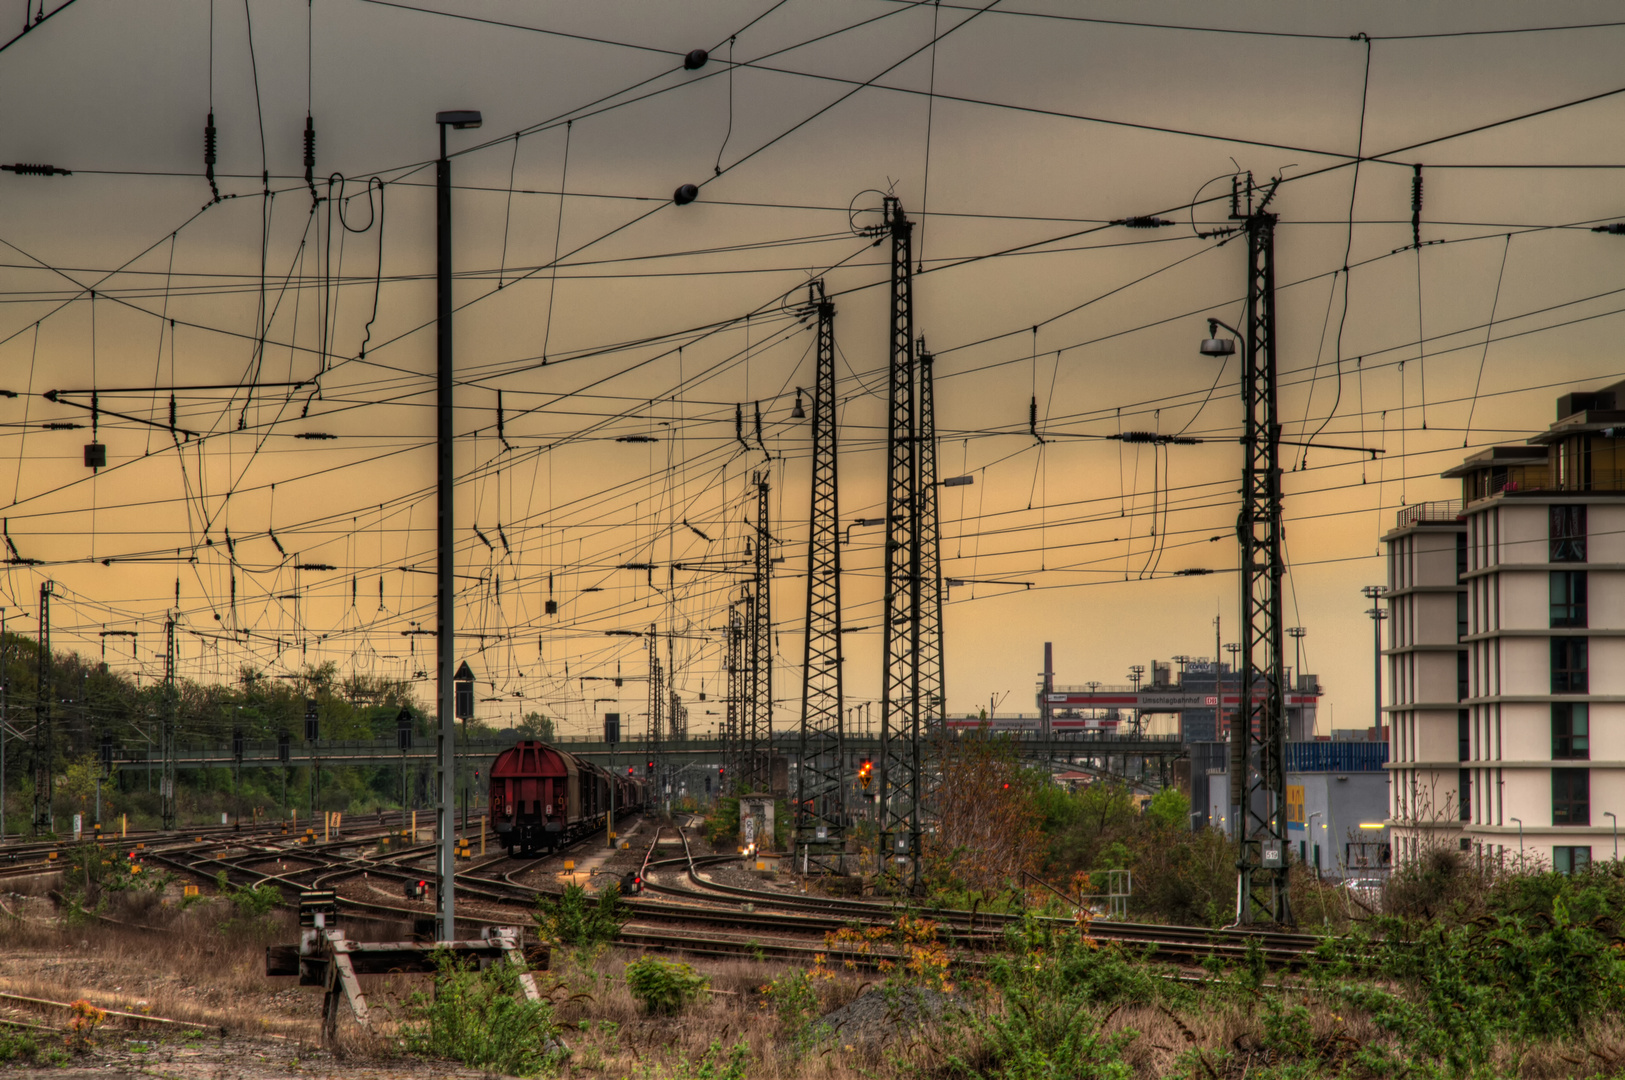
(1539, 589)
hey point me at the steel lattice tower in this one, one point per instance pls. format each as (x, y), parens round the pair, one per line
(820, 791)
(44, 741)
(933, 697)
(166, 784)
(736, 697)
(758, 712)
(1262, 845)
(657, 704)
(900, 764)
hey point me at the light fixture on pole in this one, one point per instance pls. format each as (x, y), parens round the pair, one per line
(445, 598)
(1520, 841)
(1610, 814)
(1374, 593)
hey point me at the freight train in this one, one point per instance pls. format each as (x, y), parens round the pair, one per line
(543, 797)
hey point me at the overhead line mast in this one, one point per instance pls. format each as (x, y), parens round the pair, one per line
(820, 793)
(900, 688)
(1258, 764)
(758, 711)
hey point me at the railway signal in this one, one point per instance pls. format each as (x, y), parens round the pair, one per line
(866, 773)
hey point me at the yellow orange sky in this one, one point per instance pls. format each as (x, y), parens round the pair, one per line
(1022, 161)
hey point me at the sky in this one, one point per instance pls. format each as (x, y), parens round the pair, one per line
(213, 339)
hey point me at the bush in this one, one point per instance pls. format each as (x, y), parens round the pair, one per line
(251, 906)
(663, 986)
(577, 918)
(484, 1020)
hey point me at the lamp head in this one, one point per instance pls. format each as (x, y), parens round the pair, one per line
(459, 118)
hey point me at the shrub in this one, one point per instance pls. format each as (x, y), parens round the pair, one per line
(576, 918)
(251, 906)
(484, 1020)
(663, 986)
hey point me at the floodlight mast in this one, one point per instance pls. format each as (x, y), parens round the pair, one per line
(445, 610)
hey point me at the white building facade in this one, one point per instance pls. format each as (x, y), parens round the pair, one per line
(1531, 733)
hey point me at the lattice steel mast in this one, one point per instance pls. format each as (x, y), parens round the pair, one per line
(821, 794)
(900, 676)
(736, 698)
(758, 715)
(166, 785)
(657, 705)
(44, 741)
(933, 699)
(1262, 846)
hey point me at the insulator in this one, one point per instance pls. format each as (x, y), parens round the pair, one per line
(696, 59)
(26, 169)
(1416, 189)
(210, 136)
(685, 194)
(1617, 228)
(310, 148)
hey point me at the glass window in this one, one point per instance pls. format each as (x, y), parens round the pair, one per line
(1568, 534)
(1571, 730)
(1571, 796)
(1568, 597)
(1570, 859)
(1569, 666)
(1461, 615)
(1464, 779)
(1464, 739)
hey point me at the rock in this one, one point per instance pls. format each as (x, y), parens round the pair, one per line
(884, 1015)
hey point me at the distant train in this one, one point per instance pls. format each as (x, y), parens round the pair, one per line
(543, 797)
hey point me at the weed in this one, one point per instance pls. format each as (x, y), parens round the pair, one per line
(794, 997)
(83, 1021)
(18, 1047)
(664, 986)
(484, 1020)
(577, 918)
(716, 1063)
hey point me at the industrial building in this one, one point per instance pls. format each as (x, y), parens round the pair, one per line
(1532, 560)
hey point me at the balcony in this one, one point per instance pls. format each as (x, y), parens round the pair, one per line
(1440, 511)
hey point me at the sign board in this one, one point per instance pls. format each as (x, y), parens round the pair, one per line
(612, 728)
(1271, 856)
(78, 826)
(312, 729)
(1294, 805)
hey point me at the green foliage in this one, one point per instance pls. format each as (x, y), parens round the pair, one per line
(1049, 1015)
(484, 1020)
(716, 1063)
(664, 986)
(793, 996)
(251, 906)
(1170, 808)
(536, 726)
(722, 826)
(1528, 969)
(578, 918)
(18, 1047)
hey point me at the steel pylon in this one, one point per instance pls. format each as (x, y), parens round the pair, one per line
(757, 768)
(657, 710)
(733, 717)
(820, 792)
(933, 699)
(1262, 850)
(900, 729)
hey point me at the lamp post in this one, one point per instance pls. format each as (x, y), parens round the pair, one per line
(1243, 695)
(1610, 814)
(462, 119)
(1520, 841)
(1374, 594)
(1313, 842)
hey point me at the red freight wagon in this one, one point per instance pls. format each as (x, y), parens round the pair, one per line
(536, 797)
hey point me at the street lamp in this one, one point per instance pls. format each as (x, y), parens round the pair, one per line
(1315, 843)
(1610, 814)
(445, 596)
(1520, 841)
(1374, 593)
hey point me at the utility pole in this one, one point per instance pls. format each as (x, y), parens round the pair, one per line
(933, 686)
(758, 715)
(1376, 611)
(445, 594)
(5, 716)
(1259, 740)
(166, 784)
(733, 715)
(820, 792)
(657, 709)
(900, 688)
(44, 746)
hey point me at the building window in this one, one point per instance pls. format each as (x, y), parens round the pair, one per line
(1569, 666)
(1568, 534)
(1568, 597)
(1571, 860)
(1464, 736)
(1462, 689)
(1464, 779)
(1571, 731)
(1461, 614)
(1571, 796)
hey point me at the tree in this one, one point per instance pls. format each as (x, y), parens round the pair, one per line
(537, 726)
(988, 816)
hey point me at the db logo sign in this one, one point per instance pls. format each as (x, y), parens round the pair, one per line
(1210, 701)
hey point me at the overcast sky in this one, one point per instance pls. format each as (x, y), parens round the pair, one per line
(1015, 141)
